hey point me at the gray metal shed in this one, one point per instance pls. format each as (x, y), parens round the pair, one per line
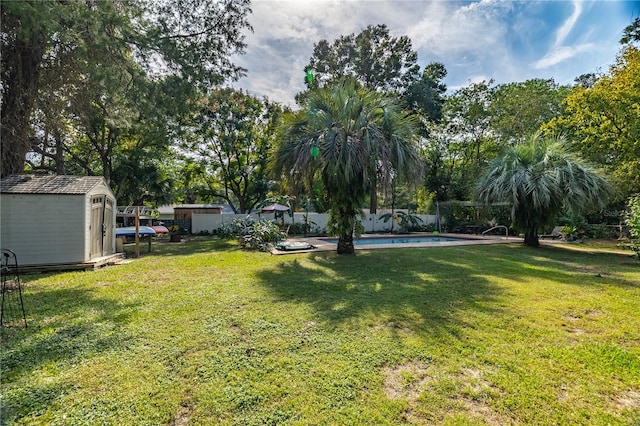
(49, 220)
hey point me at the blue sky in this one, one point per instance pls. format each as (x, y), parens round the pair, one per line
(506, 41)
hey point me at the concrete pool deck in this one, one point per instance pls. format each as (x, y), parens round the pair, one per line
(321, 243)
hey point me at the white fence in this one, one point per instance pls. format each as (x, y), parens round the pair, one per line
(317, 221)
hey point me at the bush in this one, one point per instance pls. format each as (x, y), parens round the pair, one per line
(459, 215)
(427, 227)
(407, 222)
(633, 220)
(254, 234)
(600, 231)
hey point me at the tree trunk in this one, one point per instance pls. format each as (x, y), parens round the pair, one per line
(373, 203)
(531, 239)
(60, 169)
(20, 74)
(345, 228)
(345, 244)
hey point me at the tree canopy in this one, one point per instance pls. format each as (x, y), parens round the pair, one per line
(344, 136)
(133, 90)
(383, 63)
(230, 138)
(604, 122)
(517, 110)
(61, 58)
(540, 178)
(631, 32)
(373, 57)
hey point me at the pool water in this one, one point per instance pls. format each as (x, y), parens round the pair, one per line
(397, 240)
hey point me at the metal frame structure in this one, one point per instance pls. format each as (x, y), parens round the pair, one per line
(12, 311)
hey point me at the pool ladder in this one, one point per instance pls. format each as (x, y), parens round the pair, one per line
(506, 230)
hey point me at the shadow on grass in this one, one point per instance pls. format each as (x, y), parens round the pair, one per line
(429, 290)
(66, 327)
(425, 290)
(566, 266)
(188, 246)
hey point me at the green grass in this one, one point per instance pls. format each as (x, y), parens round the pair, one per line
(203, 333)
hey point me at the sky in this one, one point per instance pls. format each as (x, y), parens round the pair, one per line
(507, 41)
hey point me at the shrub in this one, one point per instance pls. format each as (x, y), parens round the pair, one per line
(407, 222)
(633, 220)
(254, 234)
(600, 231)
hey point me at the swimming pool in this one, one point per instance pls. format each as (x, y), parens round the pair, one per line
(370, 242)
(397, 240)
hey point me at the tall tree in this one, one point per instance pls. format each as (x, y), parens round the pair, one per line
(28, 30)
(344, 133)
(441, 161)
(631, 33)
(586, 81)
(426, 95)
(461, 144)
(193, 39)
(373, 57)
(380, 62)
(604, 121)
(383, 63)
(190, 39)
(85, 73)
(232, 136)
(540, 178)
(517, 110)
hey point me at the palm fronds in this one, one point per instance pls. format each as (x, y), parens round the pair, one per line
(540, 178)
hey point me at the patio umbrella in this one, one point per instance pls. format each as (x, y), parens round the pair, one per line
(274, 208)
(438, 217)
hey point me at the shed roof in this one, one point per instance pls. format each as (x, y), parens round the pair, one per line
(198, 206)
(169, 208)
(48, 184)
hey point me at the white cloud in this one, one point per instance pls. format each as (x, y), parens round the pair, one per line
(480, 40)
(285, 32)
(561, 54)
(567, 26)
(305, 20)
(470, 39)
(450, 27)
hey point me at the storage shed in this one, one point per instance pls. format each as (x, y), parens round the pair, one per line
(50, 220)
(185, 211)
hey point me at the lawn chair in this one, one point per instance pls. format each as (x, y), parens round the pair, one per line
(556, 233)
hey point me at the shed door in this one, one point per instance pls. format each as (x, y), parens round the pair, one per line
(108, 233)
(97, 225)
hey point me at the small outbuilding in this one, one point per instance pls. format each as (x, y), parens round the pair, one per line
(52, 220)
(186, 211)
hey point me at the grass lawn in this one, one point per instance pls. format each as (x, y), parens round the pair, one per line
(202, 333)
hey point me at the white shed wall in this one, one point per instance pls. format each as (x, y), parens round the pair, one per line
(85, 223)
(44, 228)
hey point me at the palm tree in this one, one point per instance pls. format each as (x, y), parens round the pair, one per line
(540, 178)
(343, 136)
